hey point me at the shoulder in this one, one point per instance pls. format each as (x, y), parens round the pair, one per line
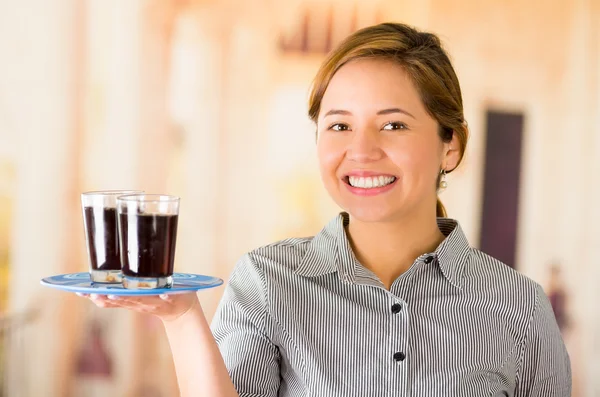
(254, 271)
(498, 274)
(282, 255)
(517, 292)
(487, 265)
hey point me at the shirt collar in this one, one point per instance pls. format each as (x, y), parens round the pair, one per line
(454, 253)
(322, 255)
(329, 252)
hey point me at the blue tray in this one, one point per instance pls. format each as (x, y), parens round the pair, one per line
(80, 282)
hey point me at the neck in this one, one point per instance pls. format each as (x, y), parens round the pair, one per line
(389, 248)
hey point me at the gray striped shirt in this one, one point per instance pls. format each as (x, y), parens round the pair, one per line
(301, 317)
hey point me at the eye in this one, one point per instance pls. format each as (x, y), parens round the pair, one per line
(395, 125)
(339, 127)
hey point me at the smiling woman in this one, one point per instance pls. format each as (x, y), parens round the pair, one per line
(428, 314)
(427, 83)
(389, 114)
(389, 299)
(384, 130)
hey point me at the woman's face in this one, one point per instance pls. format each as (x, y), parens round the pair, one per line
(379, 150)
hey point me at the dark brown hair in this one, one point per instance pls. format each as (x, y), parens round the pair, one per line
(422, 57)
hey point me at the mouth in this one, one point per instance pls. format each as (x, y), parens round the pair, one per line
(369, 182)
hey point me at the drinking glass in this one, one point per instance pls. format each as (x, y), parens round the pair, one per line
(147, 236)
(101, 234)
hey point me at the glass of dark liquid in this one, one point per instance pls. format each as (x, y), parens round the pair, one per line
(147, 234)
(101, 234)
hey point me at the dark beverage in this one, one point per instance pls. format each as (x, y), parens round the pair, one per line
(148, 244)
(102, 238)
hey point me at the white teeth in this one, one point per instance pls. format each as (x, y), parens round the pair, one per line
(370, 182)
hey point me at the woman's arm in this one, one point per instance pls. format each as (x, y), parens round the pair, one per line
(545, 368)
(198, 362)
(243, 328)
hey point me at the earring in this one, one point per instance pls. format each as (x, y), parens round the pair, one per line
(443, 182)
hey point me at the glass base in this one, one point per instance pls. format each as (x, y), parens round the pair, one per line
(106, 276)
(147, 282)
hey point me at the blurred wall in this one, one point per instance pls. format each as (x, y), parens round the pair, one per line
(207, 100)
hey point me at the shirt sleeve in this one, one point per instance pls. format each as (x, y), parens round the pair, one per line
(241, 328)
(545, 368)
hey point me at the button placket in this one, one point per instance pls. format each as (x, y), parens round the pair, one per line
(399, 337)
(398, 311)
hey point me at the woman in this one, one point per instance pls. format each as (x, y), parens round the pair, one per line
(388, 299)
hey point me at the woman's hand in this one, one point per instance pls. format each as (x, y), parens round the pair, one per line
(167, 307)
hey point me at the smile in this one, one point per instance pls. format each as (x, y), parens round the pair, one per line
(370, 182)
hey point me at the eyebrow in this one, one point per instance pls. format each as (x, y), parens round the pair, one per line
(379, 113)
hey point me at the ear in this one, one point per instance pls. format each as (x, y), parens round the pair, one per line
(451, 154)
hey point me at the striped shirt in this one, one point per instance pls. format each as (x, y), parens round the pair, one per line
(301, 317)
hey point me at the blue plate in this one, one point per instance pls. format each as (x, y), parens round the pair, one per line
(80, 282)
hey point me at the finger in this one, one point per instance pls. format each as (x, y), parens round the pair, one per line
(105, 303)
(128, 301)
(98, 297)
(82, 294)
(141, 304)
(171, 298)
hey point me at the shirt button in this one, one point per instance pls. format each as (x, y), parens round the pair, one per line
(396, 308)
(399, 356)
(428, 260)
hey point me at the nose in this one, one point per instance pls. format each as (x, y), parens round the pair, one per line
(365, 146)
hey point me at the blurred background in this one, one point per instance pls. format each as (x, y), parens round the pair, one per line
(207, 100)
